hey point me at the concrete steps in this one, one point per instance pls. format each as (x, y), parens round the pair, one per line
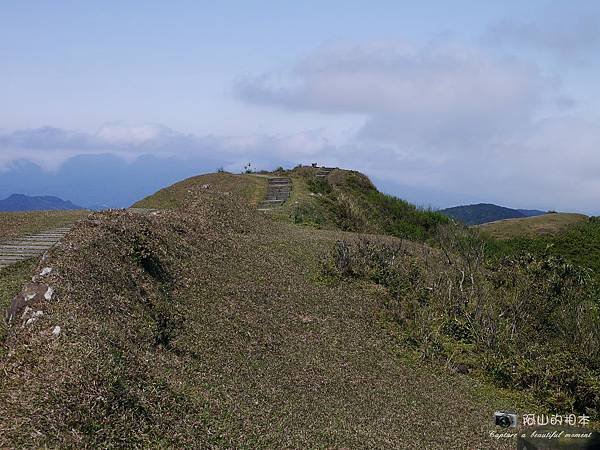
(278, 191)
(324, 172)
(25, 247)
(30, 246)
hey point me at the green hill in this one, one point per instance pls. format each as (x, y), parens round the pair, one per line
(209, 324)
(485, 212)
(545, 225)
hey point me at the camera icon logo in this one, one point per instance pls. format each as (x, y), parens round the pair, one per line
(505, 419)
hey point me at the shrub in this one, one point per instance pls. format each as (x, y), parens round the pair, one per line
(529, 322)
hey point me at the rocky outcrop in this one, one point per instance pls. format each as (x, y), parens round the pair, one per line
(33, 293)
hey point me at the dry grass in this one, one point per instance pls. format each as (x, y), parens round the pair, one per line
(12, 278)
(212, 327)
(14, 224)
(545, 225)
(250, 188)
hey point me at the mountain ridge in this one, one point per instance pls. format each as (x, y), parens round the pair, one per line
(22, 202)
(479, 213)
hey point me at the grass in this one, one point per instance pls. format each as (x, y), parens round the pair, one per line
(526, 322)
(251, 188)
(348, 201)
(12, 278)
(13, 224)
(210, 325)
(578, 243)
(531, 227)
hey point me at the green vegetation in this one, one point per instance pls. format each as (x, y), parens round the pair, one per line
(525, 322)
(579, 244)
(210, 325)
(481, 213)
(532, 227)
(348, 201)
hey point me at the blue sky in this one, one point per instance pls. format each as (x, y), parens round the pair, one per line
(440, 102)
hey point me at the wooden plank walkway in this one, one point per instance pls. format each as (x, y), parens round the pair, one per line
(278, 191)
(25, 247)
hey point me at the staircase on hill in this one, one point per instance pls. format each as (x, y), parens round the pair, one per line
(278, 191)
(22, 248)
(324, 171)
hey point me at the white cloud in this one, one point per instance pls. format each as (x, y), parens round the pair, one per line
(450, 118)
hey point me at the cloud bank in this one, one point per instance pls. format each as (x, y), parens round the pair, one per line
(440, 122)
(448, 117)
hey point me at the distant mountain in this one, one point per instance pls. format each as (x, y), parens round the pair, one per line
(20, 202)
(486, 212)
(103, 180)
(531, 212)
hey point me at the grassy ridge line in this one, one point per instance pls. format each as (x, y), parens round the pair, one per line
(348, 201)
(547, 224)
(222, 333)
(252, 189)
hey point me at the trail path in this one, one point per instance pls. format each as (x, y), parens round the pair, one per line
(29, 246)
(278, 191)
(32, 245)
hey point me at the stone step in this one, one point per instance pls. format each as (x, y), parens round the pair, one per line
(13, 259)
(278, 191)
(21, 251)
(26, 247)
(30, 243)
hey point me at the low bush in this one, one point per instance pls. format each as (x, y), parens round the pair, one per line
(352, 203)
(529, 322)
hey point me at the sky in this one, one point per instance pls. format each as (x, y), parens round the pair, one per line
(439, 103)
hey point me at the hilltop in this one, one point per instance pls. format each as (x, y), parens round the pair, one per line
(486, 212)
(20, 202)
(544, 225)
(323, 323)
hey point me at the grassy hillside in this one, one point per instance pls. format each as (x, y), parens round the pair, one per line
(546, 225)
(211, 325)
(250, 189)
(348, 201)
(578, 242)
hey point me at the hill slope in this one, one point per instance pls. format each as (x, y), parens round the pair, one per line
(485, 212)
(20, 202)
(547, 224)
(209, 325)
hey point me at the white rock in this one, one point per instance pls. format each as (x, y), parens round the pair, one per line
(25, 312)
(56, 331)
(35, 316)
(46, 271)
(49, 293)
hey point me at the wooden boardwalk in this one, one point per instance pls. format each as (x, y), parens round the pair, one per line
(30, 246)
(278, 191)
